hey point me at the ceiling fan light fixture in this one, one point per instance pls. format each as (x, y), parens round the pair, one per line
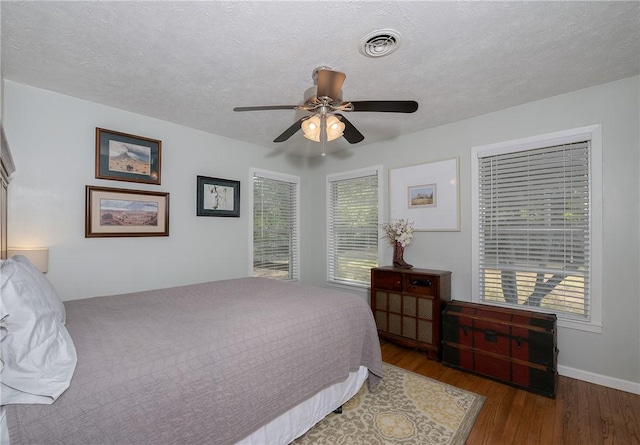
(311, 128)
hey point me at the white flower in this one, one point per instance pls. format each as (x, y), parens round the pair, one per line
(400, 230)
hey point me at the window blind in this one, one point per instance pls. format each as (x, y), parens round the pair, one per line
(352, 228)
(534, 229)
(275, 228)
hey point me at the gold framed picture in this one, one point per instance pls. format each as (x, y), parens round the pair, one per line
(114, 212)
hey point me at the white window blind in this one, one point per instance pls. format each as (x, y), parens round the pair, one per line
(275, 227)
(352, 226)
(534, 229)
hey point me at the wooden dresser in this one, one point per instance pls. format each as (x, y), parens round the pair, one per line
(407, 306)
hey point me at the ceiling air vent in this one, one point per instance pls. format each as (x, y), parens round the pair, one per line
(380, 43)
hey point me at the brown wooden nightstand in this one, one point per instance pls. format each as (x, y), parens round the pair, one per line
(407, 306)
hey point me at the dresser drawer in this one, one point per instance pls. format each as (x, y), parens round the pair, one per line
(421, 284)
(387, 280)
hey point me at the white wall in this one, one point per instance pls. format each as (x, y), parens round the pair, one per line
(52, 138)
(615, 353)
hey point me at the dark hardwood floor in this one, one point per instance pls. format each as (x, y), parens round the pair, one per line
(582, 413)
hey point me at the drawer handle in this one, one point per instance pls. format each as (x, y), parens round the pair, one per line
(421, 283)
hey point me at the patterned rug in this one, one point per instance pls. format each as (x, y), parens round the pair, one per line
(405, 408)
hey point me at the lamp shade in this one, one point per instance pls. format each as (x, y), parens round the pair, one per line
(39, 256)
(311, 128)
(335, 128)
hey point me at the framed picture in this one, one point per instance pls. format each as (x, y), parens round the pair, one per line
(113, 212)
(217, 197)
(125, 157)
(421, 196)
(427, 195)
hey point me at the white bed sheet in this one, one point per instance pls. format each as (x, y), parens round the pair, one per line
(297, 421)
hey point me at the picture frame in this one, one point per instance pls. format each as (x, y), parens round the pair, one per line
(426, 195)
(423, 196)
(217, 197)
(126, 157)
(116, 212)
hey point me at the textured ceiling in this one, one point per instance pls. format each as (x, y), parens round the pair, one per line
(192, 62)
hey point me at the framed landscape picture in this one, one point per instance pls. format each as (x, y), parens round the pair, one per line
(125, 157)
(217, 197)
(113, 212)
(421, 196)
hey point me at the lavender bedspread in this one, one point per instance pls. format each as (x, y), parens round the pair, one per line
(206, 363)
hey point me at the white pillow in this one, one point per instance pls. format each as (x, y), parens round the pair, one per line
(3, 333)
(38, 353)
(3, 329)
(45, 286)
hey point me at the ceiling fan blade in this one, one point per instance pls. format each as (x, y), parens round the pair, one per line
(290, 131)
(329, 83)
(386, 106)
(351, 133)
(266, 107)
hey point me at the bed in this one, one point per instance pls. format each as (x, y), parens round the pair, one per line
(248, 360)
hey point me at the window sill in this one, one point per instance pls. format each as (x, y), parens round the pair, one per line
(580, 325)
(348, 286)
(567, 323)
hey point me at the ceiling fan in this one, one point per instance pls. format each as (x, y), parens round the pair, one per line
(324, 101)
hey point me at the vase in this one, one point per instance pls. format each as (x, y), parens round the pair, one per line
(398, 253)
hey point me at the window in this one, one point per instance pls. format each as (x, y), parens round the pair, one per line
(275, 225)
(353, 213)
(533, 224)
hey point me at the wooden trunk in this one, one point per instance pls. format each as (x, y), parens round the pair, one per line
(513, 346)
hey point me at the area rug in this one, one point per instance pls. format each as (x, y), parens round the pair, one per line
(405, 408)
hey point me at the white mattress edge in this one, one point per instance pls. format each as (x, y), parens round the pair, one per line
(294, 423)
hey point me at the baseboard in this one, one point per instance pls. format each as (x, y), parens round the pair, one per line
(598, 379)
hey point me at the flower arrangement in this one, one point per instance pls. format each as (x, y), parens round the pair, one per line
(401, 230)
